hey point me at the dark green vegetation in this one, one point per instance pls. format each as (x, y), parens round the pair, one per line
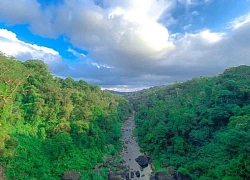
(200, 127)
(50, 125)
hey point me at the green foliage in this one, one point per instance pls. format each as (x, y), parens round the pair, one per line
(183, 171)
(51, 125)
(201, 127)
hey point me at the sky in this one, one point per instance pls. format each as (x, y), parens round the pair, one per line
(128, 45)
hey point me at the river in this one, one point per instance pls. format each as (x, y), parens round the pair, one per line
(132, 151)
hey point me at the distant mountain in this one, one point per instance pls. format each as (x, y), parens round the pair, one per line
(118, 92)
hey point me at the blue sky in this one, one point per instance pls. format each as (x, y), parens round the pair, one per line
(128, 44)
(213, 15)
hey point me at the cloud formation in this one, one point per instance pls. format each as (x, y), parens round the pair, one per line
(11, 45)
(128, 46)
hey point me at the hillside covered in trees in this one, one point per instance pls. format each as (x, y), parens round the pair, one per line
(50, 125)
(200, 127)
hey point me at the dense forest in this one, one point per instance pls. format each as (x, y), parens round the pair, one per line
(200, 127)
(50, 125)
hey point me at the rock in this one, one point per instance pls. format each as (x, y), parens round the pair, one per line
(170, 174)
(71, 175)
(122, 161)
(180, 176)
(112, 176)
(161, 176)
(137, 173)
(149, 160)
(127, 176)
(132, 174)
(143, 161)
(116, 178)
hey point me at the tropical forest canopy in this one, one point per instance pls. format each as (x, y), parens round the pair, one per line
(200, 127)
(50, 125)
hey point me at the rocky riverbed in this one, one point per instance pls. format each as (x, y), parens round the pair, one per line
(129, 168)
(131, 152)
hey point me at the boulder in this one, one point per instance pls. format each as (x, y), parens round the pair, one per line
(180, 176)
(116, 178)
(149, 160)
(71, 175)
(161, 176)
(127, 176)
(112, 176)
(137, 174)
(132, 174)
(143, 160)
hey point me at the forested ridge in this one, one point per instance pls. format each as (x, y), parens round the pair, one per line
(50, 125)
(200, 128)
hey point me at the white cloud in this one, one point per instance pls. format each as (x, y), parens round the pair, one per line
(211, 37)
(8, 35)
(206, 53)
(127, 46)
(19, 11)
(128, 25)
(125, 88)
(10, 45)
(76, 54)
(240, 21)
(124, 27)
